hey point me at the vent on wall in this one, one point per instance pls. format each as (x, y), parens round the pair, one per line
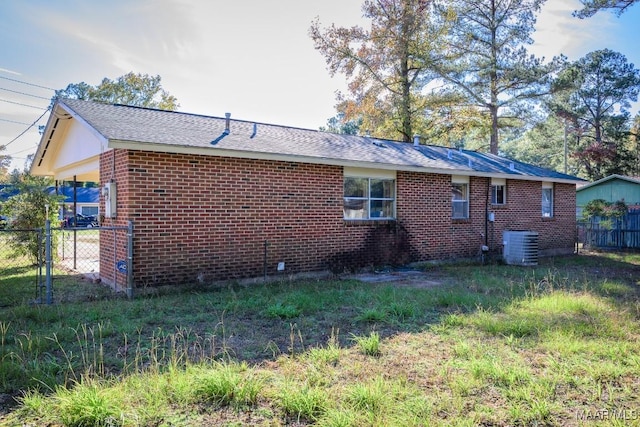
(520, 247)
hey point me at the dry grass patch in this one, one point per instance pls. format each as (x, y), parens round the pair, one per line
(498, 346)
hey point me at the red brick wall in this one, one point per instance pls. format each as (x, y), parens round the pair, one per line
(201, 218)
(424, 206)
(114, 167)
(523, 197)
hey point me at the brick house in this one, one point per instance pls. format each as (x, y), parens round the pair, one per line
(219, 199)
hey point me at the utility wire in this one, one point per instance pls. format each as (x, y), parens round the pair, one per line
(18, 152)
(26, 83)
(24, 93)
(20, 103)
(29, 126)
(13, 121)
(25, 131)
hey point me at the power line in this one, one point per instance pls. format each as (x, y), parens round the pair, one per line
(25, 131)
(13, 121)
(18, 152)
(24, 93)
(26, 83)
(20, 103)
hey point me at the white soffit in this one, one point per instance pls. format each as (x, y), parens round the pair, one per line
(80, 145)
(86, 170)
(369, 173)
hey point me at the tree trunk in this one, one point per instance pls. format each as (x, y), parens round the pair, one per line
(493, 146)
(493, 106)
(405, 101)
(406, 104)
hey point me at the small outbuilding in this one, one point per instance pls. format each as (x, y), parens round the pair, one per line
(213, 198)
(613, 188)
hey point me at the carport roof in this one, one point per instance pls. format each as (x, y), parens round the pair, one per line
(120, 126)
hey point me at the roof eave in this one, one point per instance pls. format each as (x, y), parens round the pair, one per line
(609, 178)
(244, 154)
(50, 137)
(45, 141)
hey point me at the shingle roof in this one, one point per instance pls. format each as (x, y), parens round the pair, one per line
(150, 129)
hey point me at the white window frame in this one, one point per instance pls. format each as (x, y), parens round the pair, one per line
(496, 185)
(547, 200)
(461, 204)
(94, 210)
(371, 176)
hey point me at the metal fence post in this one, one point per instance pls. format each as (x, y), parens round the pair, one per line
(130, 260)
(39, 283)
(47, 256)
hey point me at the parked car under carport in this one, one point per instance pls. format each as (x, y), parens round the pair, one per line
(80, 221)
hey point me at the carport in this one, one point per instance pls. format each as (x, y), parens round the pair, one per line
(70, 151)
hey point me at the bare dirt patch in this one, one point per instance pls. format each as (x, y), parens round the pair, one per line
(404, 278)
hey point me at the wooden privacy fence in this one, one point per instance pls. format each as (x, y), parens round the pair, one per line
(610, 232)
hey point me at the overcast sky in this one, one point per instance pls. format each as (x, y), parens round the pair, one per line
(252, 58)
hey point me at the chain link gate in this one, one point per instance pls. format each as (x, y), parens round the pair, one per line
(74, 251)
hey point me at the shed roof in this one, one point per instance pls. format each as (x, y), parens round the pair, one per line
(631, 179)
(120, 126)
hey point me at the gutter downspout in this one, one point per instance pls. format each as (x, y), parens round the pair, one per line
(486, 214)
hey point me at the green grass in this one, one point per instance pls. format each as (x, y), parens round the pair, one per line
(228, 384)
(490, 345)
(283, 311)
(301, 402)
(368, 345)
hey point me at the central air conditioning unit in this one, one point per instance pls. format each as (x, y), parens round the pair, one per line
(520, 247)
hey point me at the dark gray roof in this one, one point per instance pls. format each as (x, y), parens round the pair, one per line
(157, 130)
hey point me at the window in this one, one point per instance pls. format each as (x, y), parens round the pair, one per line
(369, 198)
(89, 210)
(498, 191)
(459, 197)
(547, 200)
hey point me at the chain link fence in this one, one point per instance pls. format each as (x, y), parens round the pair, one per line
(20, 264)
(39, 256)
(77, 251)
